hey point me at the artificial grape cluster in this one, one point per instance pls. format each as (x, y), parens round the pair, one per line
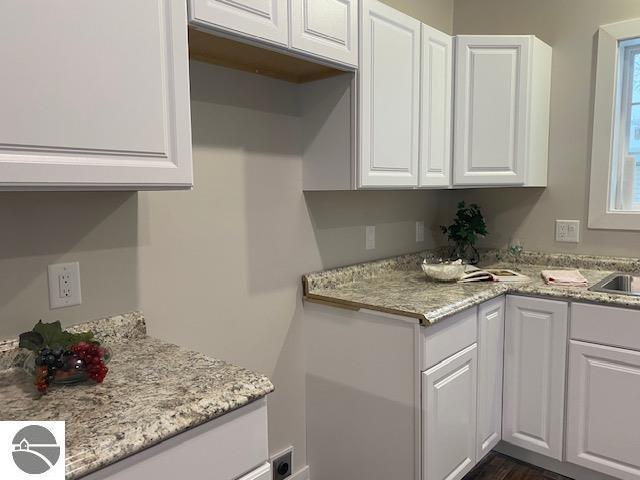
(89, 356)
(48, 362)
(93, 357)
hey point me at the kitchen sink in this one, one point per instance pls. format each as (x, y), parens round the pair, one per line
(620, 283)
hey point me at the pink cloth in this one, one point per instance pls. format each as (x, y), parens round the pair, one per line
(564, 278)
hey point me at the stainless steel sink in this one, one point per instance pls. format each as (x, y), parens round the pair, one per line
(620, 283)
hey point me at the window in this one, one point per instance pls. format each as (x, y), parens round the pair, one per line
(614, 198)
(625, 185)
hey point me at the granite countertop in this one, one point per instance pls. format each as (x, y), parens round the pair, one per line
(398, 285)
(154, 390)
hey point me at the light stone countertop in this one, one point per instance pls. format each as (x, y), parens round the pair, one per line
(153, 391)
(398, 285)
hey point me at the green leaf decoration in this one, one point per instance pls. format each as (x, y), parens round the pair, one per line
(468, 224)
(51, 335)
(31, 341)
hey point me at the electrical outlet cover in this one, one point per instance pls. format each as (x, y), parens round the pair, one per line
(370, 237)
(282, 464)
(568, 231)
(419, 231)
(64, 285)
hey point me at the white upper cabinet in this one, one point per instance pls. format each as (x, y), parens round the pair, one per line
(435, 108)
(490, 370)
(263, 20)
(94, 95)
(326, 28)
(502, 92)
(389, 97)
(534, 374)
(449, 416)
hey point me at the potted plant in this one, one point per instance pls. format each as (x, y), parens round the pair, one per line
(463, 233)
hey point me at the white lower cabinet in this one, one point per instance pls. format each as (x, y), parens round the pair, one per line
(231, 447)
(449, 416)
(534, 374)
(603, 409)
(490, 370)
(262, 473)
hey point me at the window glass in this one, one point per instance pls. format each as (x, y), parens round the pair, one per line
(625, 181)
(636, 186)
(636, 78)
(634, 130)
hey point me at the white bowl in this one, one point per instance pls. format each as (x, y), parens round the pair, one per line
(444, 272)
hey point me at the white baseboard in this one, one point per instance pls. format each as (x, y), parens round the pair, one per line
(563, 468)
(302, 474)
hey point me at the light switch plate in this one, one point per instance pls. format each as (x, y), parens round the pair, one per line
(568, 231)
(370, 237)
(419, 231)
(64, 285)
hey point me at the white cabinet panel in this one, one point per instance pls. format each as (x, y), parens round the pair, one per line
(435, 108)
(603, 414)
(490, 370)
(492, 80)
(449, 417)
(94, 94)
(262, 473)
(534, 374)
(326, 28)
(224, 448)
(502, 95)
(262, 20)
(389, 97)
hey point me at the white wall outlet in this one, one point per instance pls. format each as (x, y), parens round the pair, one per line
(568, 231)
(419, 231)
(370, 237)
(64, 285)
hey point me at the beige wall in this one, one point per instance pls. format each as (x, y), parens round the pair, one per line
(436, 13)
(217, 269)
(569, 27)
(220, 266)
(40, 228)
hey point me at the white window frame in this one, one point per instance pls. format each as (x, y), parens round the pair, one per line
(605, 142)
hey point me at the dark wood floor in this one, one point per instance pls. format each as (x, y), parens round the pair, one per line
(500, 467)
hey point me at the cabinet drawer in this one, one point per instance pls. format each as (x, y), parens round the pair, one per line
(448, 337)
(618, 327)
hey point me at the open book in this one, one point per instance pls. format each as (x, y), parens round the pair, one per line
(474, 274)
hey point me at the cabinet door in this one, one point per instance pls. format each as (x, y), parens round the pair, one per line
(94, 95)
(490, 369)
(389, 97)
(326, 28)
(603, 414)
(534, 374)
(435, 108)
(449, 417)
(262, 20)
(492, 87)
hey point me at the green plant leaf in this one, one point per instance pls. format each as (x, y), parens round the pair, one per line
(31, 341)
(54, 337)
